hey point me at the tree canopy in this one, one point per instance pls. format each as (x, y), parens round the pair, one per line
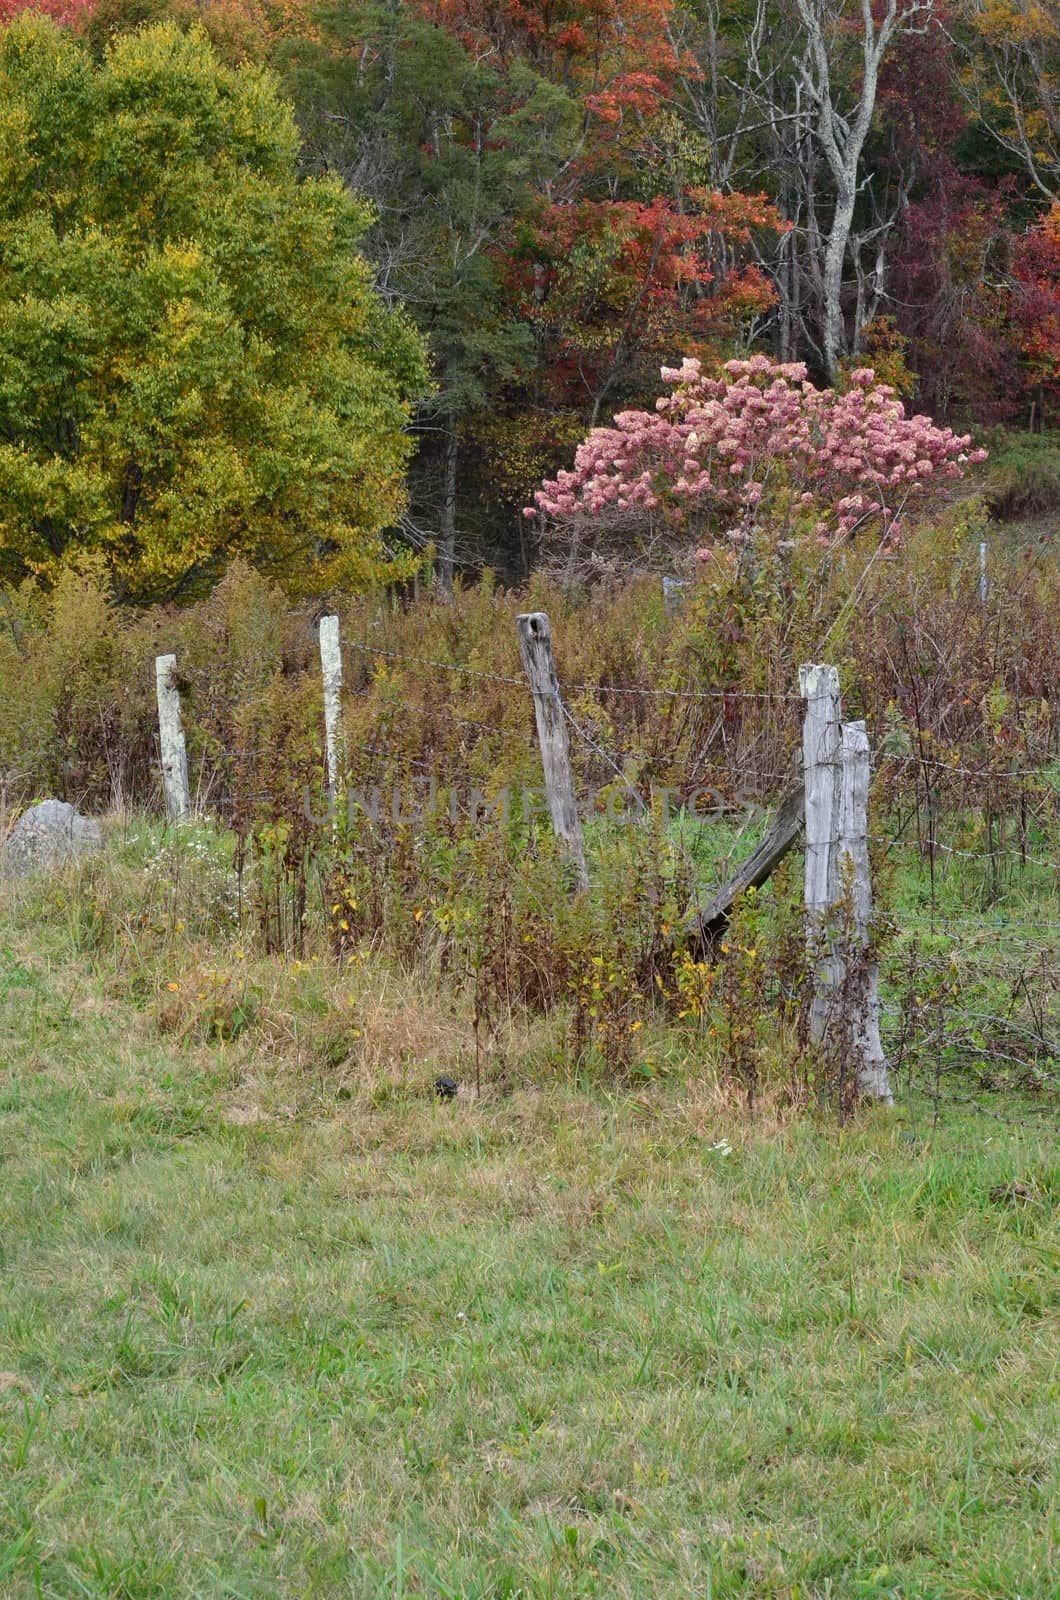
(564, 198)
(193, 360)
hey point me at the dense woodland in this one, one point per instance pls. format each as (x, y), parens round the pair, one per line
(561, 198)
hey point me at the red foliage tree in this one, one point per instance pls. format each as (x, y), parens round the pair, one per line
(617, 286)
(616, 55)
(920, 106)
(1036, 304)
(64, 11)
(950, 281)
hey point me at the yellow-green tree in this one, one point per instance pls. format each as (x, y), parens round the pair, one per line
(1012, 53)
(193, 362)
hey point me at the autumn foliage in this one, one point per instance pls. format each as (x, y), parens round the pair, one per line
(614, 286)
(1036, 308)
(194, 363)
(618, 54)
(565, 196)
(66, 11)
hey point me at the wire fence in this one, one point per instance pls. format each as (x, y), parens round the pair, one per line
(964, 828)
(970, 936)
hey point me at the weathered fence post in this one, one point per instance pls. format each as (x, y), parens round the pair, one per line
(846, 1001)
(171, 741)
(535, 643)
(821, 738)
(862, 972)
(331, 670)
(674, 594)
(984, 580)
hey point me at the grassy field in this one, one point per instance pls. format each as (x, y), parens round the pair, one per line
(274, 1321)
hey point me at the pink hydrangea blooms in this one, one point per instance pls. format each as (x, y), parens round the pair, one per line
(762, 440)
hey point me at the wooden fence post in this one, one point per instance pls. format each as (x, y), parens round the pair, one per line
(846, 996)
(862, 985)
(171, 741)
(535, 643)
(821, 738)
(674, 594)
(331, 670)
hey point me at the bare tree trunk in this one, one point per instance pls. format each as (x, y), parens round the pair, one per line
(842, 134)
(833, 331)
(447, 544)
(786, 284)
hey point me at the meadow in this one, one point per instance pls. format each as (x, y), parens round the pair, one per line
(649, 1308)
(278, 1321)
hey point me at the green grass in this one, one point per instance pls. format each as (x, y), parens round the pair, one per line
(274, 1323)
(1021, 478)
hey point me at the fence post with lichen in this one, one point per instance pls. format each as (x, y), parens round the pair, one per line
(854, 885)
(535, 643)
(171, 741)
(845, 1005)
(331, 671)
(821, 738)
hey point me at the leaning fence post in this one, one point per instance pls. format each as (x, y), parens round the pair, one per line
(171, 741)
(819, 686)
(862, 984)
(331, 670)
(535, 643)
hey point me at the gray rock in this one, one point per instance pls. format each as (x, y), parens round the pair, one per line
(47, 835)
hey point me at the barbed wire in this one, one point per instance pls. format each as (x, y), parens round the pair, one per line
(886, 759)
(574, 687)
(763, 696)
(1009, 948)
(615, 768)
(986, 855)
(969, 1102)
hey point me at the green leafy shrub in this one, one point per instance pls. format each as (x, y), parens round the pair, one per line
(1024, 477)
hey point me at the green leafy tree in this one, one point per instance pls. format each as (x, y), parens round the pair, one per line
(193, 361)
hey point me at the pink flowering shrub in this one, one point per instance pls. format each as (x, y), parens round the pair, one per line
(760, 446)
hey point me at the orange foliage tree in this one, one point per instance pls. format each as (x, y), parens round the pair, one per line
(1036, 304)
(618, 56)
(617, 286)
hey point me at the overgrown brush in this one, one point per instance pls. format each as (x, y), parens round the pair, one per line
(438, 856)
(703, 699)
(1024, 477)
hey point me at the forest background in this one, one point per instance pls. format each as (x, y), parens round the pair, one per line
(562, 197)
